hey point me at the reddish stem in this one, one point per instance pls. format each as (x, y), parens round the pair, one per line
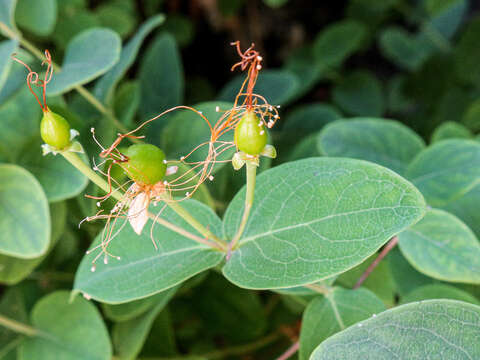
(390, 245)
(290, 351)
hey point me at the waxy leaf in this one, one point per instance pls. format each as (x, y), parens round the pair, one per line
(385, 142)
(446, 170)
(360, 94)
(438, 291)
(68, 331)
(144, 271)
(334, 312)
(38, 17)
(451, 130)
(466, 209)
(337, 42)
(7, 48)
(314, 218)
(88, 55)
(7, 11)
(24, 214)
(105, 87)
(442, 247)
(59, 179)
(161, 77)
(447, 328)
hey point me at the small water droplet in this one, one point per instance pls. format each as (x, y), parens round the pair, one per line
(374, 315)
(360, 325)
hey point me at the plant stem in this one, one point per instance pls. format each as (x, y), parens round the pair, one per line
(251, 179)
(78, 163)
(180, 210)
(390, 245)
(18, 326)
(290, 351)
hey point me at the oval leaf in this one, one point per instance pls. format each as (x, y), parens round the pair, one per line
(161, 77)
(105, 87)
(446, 170)
(38, 17)
(438, 291)
(339, 41)
(314, 218)
(59, 179)
(360, 94)
(88, 55)
(334, 312)
(443, 247)
(68, 331)
(7, 11)
(412, 331)
(385, 142)
(144, 271)
(451, 130)
(24, 214)
(7, 48)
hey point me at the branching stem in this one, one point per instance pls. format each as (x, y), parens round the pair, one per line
(251, 180)
(81, 166)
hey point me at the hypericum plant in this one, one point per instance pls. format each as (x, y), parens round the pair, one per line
(356, 222)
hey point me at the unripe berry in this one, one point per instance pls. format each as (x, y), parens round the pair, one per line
(55, 130)
(146, 163)
(250, 135)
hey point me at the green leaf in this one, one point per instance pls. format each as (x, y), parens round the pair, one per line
(466, 208)
(412, 331)
(144, 271)
(20, 121)
(442, 247)
(13, 270)
(450, 130)
(130, 310)
(7, 48)
(38, 17)
(278, 87)
(59, 179)
(338, 41)
(438, 291)
(471, 117)
(385, 142)
(186, 129)
(446, 170)
(88, 55)
(161, 77)
(105, 87)
(447, 15)
(129, 336)
(68, 331)
(120, 20)
(24, 216)
(7, 11)
(334, 312)
(305, 148)
(314, 218)
(467, 53)
(403, 49)
(360, 94)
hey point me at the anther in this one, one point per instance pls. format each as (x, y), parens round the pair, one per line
(92, 130)
(93, 268)
(165, 182)
(182, 158)
(211, 177)
(262, 132)
(260, 124)
(259, 67)
(105, 260)
(259, 58)
(164, 161)
(217, 108)
(98, 204)
(86, 296)
(187, 194)
(118, 257)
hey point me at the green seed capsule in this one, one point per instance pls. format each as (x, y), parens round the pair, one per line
(250, 135)
(55, 130)
(145, 163)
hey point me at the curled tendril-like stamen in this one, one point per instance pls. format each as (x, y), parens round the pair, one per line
(34, 78)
